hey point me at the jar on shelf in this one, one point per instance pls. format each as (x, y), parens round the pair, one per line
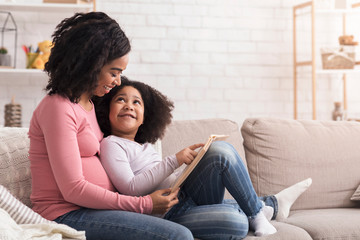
(338, 113)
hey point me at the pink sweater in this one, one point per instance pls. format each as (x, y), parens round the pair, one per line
(65, 168)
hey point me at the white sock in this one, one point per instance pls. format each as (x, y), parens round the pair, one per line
(288, 196)
(261, 225)
(268, 211)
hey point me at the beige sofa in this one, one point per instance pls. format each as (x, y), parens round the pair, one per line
(278, 154)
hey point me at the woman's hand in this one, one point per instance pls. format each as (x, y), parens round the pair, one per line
(163, 200)
(187, 155)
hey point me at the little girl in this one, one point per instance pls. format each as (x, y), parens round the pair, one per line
(134, 115)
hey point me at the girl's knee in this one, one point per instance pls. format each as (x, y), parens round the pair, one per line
(221, 145)
(221, 150)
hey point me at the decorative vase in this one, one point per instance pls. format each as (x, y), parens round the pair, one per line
(12, 114)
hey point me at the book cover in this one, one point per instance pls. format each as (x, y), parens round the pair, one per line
(189, 168)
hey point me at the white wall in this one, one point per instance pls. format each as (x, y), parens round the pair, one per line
(213, 58)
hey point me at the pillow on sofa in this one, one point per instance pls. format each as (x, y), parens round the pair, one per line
(281, 152)
(356, 195)
(17, 210)
(14, 163)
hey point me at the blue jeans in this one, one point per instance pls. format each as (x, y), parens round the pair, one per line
(118, 225)
(202, 207)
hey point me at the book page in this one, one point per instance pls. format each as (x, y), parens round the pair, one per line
(180, 180)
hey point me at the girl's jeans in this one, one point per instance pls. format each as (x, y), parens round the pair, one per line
(202, 207)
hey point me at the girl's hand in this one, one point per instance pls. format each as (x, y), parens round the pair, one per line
(187, 155)
(163, 200)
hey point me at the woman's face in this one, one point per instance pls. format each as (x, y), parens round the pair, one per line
(126, 113)
(110, 74)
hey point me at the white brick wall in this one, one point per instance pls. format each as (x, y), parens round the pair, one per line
(213, 58)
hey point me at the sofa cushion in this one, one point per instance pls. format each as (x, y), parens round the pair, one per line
(328, 224)
(281, 152)
(181, 134)
(284, 232)
(14, 164)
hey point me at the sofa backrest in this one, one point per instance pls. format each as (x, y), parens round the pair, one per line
(281, 152)
(15, 172)
(181, 134)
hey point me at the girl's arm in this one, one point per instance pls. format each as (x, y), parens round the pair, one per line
(115, 159)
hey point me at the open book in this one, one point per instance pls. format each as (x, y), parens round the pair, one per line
(189, 168)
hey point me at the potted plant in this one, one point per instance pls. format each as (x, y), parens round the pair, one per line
(4, 57)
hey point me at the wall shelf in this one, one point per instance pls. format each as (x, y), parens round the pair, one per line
(21, 70)
(338, 11)
(338, 71)
(46, 7)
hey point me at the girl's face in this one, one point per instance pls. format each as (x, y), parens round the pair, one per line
(110, 74)
(126, 113)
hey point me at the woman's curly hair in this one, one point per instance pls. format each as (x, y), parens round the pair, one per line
(157, 111)
(82, 45)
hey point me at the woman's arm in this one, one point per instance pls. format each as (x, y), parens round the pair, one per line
(61, 126)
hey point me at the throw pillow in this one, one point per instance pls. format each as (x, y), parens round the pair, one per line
(356, 195)
(17, 210)
(15, 173)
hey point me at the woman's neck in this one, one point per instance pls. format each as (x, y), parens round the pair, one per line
(85, 101)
